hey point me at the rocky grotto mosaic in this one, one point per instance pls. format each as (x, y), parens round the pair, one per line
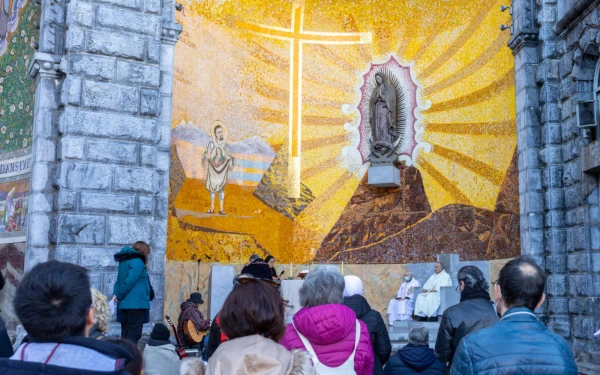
(271, 129)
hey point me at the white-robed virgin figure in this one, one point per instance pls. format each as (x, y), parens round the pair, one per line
(218, 161)
(428, 301)
(402, 307)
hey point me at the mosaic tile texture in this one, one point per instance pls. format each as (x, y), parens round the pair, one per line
(285, 81)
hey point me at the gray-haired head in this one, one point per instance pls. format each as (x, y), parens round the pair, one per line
(253, 257)
(323, 285)
(418, 336)
(441, 264)
(472, 277)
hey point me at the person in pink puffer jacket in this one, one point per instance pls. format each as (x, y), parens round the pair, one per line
(328, 326)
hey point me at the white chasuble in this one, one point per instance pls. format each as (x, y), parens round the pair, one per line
(428, 303)
(402, 310)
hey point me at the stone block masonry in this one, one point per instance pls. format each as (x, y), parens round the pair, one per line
(559, 42)
(101, 137)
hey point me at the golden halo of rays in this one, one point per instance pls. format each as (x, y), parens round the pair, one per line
(455, 49)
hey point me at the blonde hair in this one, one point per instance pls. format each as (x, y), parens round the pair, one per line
(101, 310)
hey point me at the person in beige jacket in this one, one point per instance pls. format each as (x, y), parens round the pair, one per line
(253, 320)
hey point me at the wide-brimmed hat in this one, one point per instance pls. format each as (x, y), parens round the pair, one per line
(244, 277)
(196, 298)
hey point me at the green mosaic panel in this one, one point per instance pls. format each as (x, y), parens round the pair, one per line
(16, 87)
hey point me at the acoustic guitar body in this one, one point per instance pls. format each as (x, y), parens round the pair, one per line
(194, 335)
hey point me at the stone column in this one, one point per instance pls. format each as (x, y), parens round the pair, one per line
(101, 141)
(45, 69)
(524, 44)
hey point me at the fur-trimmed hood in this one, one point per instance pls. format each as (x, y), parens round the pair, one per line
(128, 253)
(262, 355)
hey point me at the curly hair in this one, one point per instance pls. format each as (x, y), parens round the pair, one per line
(101, 310)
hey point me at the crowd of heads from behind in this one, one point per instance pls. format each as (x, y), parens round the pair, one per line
(335, 331)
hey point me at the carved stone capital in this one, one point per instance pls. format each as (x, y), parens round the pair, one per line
(45, 65)
(171, 32)
(523, 39)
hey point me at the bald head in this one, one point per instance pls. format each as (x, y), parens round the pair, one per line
(522, 283)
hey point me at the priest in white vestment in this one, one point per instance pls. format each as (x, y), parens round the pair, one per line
(401, 307)
(428, 301)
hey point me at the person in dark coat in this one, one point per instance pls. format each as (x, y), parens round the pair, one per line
(5, 346)
(53, 302)
(519, 344)
(416, 357)
(380, 339)
(257, 268)
(474, 312)
(132, 289)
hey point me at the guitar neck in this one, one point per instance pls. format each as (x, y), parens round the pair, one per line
(174, 331)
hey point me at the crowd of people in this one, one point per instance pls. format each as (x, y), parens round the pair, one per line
(335, 332)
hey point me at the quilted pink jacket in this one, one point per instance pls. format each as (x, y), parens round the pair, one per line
(331, 331)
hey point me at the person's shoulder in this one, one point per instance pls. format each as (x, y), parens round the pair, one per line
(480, 336)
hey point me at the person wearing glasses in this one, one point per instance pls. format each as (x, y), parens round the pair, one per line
(474, 312)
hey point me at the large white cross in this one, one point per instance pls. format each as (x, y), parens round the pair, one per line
(297, 36)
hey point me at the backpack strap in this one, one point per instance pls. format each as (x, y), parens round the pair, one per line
(308, 346)
(356, 341)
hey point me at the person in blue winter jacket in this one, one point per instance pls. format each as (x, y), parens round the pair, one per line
(132, 289)
(416, 357)
(519, 344)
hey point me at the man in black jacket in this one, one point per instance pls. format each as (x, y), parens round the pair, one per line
(5, 346)
(474, 312)
(54, 304)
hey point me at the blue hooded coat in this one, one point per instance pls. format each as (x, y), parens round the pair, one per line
(132, 287)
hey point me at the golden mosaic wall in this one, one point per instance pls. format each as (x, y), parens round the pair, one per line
(285, 81)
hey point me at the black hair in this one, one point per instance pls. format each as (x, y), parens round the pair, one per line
(1, 281)
(268, 259)
(52, 301)
(473, 278)
(217, 127)
(522, 283)
(135, 366)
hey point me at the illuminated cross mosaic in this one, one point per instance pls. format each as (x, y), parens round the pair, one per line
(298, 36)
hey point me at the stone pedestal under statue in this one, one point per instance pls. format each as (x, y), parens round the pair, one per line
(384, 175)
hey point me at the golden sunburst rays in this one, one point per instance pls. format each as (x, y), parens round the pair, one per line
(456, 52)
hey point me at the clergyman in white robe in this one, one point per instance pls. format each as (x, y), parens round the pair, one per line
(428, 301)
(402, 307)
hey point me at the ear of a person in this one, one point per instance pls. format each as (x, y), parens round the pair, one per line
(541, 301)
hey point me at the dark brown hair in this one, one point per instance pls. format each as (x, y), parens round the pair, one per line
(135, 366)
(142, 248)
(522, 283)
(254, 308)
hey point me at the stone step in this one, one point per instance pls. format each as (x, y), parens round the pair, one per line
(403, 335)
(411, 323)
(594, 357)
(586, 368)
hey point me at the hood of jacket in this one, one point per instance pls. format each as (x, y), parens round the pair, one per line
(188, 305)
(128, 253)
(417, 357)
(358, 304)
(258, 356)
(325, 324)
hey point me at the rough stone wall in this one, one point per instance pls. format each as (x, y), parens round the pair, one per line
(559, 203)
(101, 152)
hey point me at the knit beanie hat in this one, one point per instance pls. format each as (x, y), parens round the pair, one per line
(160, 332)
